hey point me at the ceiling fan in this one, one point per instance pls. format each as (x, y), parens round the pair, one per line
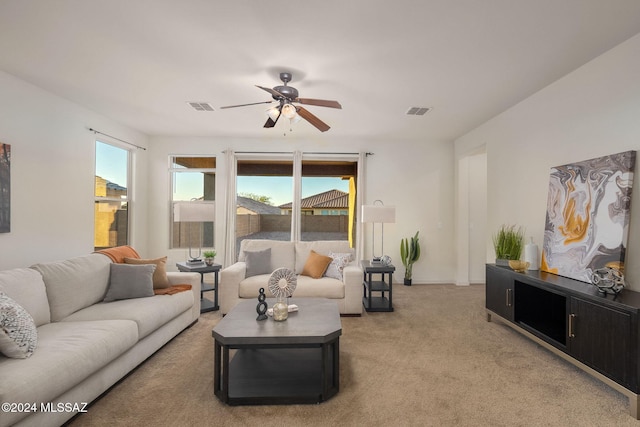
(286, 96)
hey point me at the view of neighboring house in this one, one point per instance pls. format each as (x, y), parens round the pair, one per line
(110, 215)
(332, 202)
(248, 206)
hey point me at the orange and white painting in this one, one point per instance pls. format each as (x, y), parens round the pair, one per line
(587, 221)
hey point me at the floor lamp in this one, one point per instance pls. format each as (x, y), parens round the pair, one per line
(378, 213)
(194, 212)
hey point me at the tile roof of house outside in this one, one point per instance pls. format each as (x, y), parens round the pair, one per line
(257, 207)
(332, 199)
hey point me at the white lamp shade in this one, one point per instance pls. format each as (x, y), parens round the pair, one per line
(378, 213)
(274, 113)
(289, 111)
(296, 119)
(194, 212)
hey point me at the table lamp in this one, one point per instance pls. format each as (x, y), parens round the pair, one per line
(378, 213)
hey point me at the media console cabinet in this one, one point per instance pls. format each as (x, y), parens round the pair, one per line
(597, 333)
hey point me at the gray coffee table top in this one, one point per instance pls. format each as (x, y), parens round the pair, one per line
(317, 321)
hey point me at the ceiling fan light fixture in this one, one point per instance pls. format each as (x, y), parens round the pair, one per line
(295, 119)
(273, 113)
(289, 111)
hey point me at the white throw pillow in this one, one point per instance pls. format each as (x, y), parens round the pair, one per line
(340, 261)
(18, 333)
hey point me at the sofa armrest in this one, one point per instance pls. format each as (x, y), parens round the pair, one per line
(230, 279)
(193, 279)
(352, 277)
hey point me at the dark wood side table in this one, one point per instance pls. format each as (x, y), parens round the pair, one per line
(205, 304)
(380, 287)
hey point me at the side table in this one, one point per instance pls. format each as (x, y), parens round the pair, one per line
(382, 286)
(205, 304)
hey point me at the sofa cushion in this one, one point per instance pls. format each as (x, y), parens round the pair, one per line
(67, 353)
(306, 287)
(149, 313)
(282, 253)
(18, 335)
(338, 262)
(323, 247)
(316, 265)
(25, 286)
(75, 283)
(250, 286)
(258, 262)
(130, 281)
(160, 280)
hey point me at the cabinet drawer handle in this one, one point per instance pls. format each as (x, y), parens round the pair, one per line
(571, 332)
(508, 295)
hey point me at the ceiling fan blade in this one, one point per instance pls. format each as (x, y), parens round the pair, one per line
(305, 114)
(319, 102)
(271, 123)
(273, 92)
(244, 105)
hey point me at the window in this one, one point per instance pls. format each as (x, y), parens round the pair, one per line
(264, 189)
(328, 192)
(112, 198)
(266, 199)
(193, 180)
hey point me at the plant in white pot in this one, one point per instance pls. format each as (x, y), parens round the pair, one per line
(409, 253)
(508, 243)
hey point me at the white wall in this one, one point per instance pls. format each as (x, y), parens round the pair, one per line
(416, 177)
(591, 112)
(52, 175)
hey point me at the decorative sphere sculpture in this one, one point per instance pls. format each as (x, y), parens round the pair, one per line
(282, 283)
(608, 280)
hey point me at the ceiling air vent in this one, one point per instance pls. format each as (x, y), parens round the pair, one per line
(201, 106)
(418, 111)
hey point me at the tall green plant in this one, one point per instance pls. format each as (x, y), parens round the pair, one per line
(409, 253)
(508, 242)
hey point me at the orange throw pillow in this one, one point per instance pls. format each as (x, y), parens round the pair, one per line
(316, 265)
(160, 280)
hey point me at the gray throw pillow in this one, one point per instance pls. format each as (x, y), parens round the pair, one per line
(130, 281)
(258, 262)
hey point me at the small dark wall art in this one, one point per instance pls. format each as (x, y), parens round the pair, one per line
(5, 188)
(587, 220)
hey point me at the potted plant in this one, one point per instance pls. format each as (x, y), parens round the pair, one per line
(209, 256)
(508, 243)
(409, 253)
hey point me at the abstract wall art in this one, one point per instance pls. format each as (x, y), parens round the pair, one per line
(5, 188)
(587, 220)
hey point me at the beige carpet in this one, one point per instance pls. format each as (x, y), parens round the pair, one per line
(435, 361)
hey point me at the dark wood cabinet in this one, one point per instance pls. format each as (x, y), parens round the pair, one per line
(499, 296)
(602, 338)
(596, 332)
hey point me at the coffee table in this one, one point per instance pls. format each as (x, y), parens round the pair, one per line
(268, 362)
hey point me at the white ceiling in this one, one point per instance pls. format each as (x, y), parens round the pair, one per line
(140, 62)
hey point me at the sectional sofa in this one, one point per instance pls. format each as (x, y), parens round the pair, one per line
(84, 344)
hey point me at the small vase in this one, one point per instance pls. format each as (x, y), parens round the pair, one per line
(209, 261)
(280, 310)
(407, 282)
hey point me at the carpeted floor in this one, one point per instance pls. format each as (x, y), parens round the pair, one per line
(435, 361)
